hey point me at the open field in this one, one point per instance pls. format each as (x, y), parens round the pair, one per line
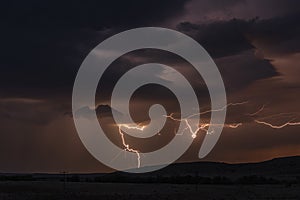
(45, 190)
(274, 179)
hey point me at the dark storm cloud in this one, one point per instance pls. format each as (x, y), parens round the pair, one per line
(44, 43)
(230, 44)
(49, 57)
(215, 10)
(95, 14)
(38, 52)
(239, 46)
(277, 36)
(239, 71)
(220, 38)
(223, 38)
(43, 58)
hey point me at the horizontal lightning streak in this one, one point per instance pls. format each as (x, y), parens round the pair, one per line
(204, 126)
(217, 110)
(290, 123)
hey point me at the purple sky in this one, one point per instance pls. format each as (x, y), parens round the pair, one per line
(255, 45)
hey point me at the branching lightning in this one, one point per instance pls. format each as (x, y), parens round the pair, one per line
(127, 147)
(262, 121)
(218, 110)
(138, 127)
(204, 126)
(257, 112)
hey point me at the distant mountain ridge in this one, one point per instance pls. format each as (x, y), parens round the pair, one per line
(276, 171)
(279, 169)
(102, 110)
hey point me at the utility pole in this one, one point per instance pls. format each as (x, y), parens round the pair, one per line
(64, 182)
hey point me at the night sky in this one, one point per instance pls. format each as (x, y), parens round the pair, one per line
(255, 44)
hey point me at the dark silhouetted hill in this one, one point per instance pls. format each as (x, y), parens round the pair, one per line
(275, 171)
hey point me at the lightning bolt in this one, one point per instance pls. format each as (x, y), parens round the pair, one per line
(127, 147)
(201, 126)
(138, 127)
(189, 127)
(257, 112)
(290, 123)
(204, 126)
(233, 125)
(218, 110)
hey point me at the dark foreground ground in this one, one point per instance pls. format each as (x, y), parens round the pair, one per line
(274, 179)
(45, 190)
